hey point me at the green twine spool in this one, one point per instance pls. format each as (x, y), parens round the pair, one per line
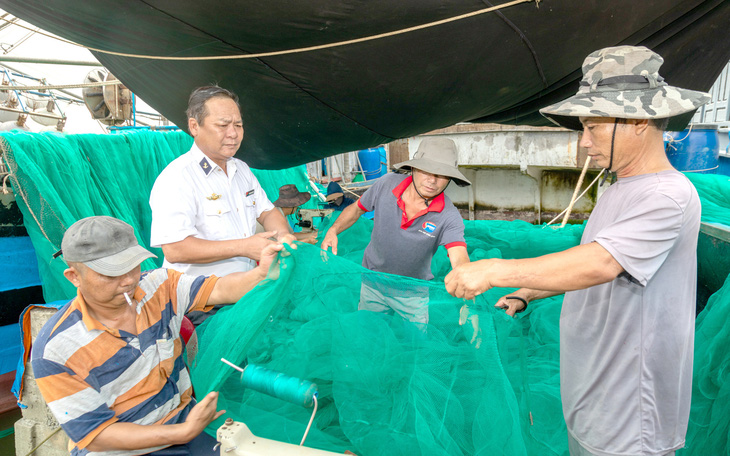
(276, 384)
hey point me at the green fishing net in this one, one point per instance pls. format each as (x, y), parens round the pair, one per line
(714, 196)
(59, 179)
(709, 419)
(391, 381)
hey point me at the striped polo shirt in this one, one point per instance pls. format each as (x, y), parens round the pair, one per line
(92, 376)
(406, 247)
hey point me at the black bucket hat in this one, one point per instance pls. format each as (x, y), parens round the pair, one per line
(290, 196)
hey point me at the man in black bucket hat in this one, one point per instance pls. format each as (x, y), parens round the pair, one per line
(290, 198)
(627, 321)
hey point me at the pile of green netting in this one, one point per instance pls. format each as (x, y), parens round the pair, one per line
(391, 386)
(387, 385)
(709, 426)
(59, 179)
(714, 196)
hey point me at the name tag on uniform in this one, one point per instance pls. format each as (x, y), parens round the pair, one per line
(249, 193)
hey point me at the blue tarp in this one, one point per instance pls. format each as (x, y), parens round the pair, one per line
(11, 347)
(19, 261)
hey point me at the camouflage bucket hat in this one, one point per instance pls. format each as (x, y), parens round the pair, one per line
(623, 82)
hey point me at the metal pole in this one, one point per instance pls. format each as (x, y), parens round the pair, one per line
(32, 113)
(71, 94)
(7, 58)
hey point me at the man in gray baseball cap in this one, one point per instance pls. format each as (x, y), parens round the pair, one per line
(112, 356)
(627, 322)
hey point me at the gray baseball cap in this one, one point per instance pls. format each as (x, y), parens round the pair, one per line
(104, 244)
(437, 156)
(623, 82)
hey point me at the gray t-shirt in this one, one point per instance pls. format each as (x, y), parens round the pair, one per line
(407, 250)
(626, 346)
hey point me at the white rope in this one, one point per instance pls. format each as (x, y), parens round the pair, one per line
(670, 139)
(5, 181)
(314, 412)
(573, 198)
(299, 50)
(232, 365)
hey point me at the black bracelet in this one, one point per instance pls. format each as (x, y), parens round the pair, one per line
(519, 299)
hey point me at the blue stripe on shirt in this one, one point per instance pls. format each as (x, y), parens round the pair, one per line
(112, 368)
(73, 317)
(80, 427)
(194, 289)
(157, 330)
(44, 368)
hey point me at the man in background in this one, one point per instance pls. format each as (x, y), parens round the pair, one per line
(336, 197)
(288, 203)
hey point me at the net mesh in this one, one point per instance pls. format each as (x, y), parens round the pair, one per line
(714, 195)
(390, 384)
(391, 380)
(59, 179)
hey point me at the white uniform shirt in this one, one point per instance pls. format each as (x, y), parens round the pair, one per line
(194, 197)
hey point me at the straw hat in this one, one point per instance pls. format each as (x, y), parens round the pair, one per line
(334, 191)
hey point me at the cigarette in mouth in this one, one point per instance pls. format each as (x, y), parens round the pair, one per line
(129, 301)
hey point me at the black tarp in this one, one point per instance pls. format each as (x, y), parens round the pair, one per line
(497, 67)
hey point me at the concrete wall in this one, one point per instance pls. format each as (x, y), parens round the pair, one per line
(528, 173)
(38, 422)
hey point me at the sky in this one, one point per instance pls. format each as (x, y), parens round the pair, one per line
(13, 43)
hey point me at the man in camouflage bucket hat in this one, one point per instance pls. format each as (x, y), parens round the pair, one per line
(627, 321)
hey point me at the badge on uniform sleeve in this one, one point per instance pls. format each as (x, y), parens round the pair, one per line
(213, 197)
(206, 167)
(249, 193)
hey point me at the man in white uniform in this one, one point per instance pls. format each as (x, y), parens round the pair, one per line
(627, 322)
(205, 204)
